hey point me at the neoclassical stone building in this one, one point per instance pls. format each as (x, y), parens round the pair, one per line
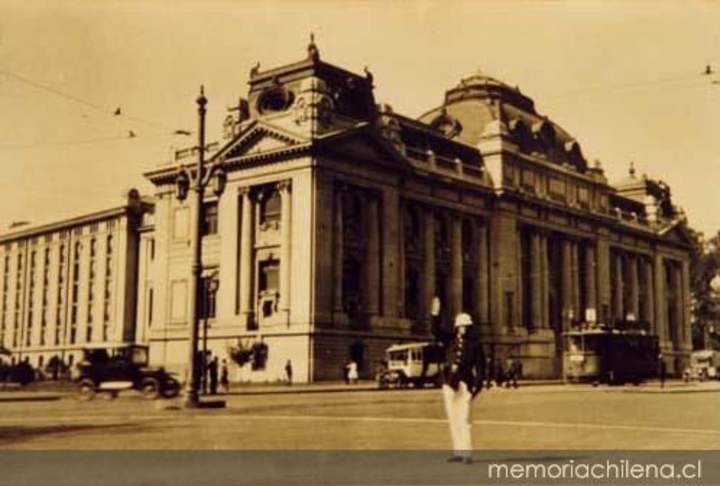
(343, 219)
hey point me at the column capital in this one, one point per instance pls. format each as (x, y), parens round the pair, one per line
(284, 185)
(245, 191)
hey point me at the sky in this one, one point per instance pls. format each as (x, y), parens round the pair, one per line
(624, 78)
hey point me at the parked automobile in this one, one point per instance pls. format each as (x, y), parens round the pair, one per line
(123, 367)
(704, 365)
(415, 364)
(21, 373)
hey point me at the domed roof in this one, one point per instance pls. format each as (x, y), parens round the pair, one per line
(481, 85)
(479, 101)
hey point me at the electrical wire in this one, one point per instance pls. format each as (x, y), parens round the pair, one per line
(30, 146)
(698, 78)
(103, 109)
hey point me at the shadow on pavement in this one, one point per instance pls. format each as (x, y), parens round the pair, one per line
(15, 434)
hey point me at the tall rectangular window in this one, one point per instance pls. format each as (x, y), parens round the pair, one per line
(107, 297)
(6, 290)
(210, 218)
(91, 288)
(18, 296)
(62, 264)
(75, 294)
(31, 299)
(45, 291)
(208, 293)
(151, 296)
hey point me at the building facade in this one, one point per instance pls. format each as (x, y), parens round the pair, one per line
(342, 220)
(70, 284)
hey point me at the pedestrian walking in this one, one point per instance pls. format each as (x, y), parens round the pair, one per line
(346, 371)
(213, 372)
(464, 373)
(288, 372)
(499, 373)
(224, 377)
(352, 372)
(489, 374)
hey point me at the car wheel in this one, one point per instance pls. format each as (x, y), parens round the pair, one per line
(86, 390)
(171, 389)
(150, 388)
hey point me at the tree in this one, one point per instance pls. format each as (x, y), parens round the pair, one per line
(704, 267)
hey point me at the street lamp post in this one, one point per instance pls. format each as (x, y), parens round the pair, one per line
(209, 291)
(197, 182)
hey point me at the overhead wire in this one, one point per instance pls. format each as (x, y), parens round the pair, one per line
(110, 112)
(698, 78)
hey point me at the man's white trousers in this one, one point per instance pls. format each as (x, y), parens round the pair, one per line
(457, 408)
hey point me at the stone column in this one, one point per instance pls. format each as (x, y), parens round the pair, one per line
(247, 225)
(619, 288)
(504, 278)
(590, 279)
(649, 302)
(401, 260)
(481, 278)
(535, 281)
(634, 283)
(372, 270)
(390, 217)
(567, 283)
(428, 283)
(545, 265)
(679, 311)
(576, 303)
(338, 252)
(228, 224)
(687, 318)
(660, 299)
(602, 272)
(456, 267)
(285, 247)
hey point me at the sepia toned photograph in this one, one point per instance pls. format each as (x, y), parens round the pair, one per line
(325, 242)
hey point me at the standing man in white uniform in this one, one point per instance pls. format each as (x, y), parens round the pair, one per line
(464, 374)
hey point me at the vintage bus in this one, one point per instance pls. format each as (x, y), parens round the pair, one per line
(613, 356)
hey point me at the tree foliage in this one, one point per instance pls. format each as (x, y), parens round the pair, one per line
(704, 267)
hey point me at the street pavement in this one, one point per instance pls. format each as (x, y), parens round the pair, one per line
(340, 417)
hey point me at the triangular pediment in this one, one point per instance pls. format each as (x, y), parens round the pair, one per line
(677, 233)
(259, 138)
(362, 143)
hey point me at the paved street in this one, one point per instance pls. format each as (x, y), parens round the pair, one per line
(336, 417)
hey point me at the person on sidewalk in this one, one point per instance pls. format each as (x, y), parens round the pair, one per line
(213, 371)
(513, 372)
(288, 372)
(464, 373)
(352, 372)
(224, 378)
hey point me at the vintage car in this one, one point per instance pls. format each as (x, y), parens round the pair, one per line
(703, 366)
(123, 367)
(415, 364)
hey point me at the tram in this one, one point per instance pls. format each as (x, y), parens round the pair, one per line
(607, 355)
